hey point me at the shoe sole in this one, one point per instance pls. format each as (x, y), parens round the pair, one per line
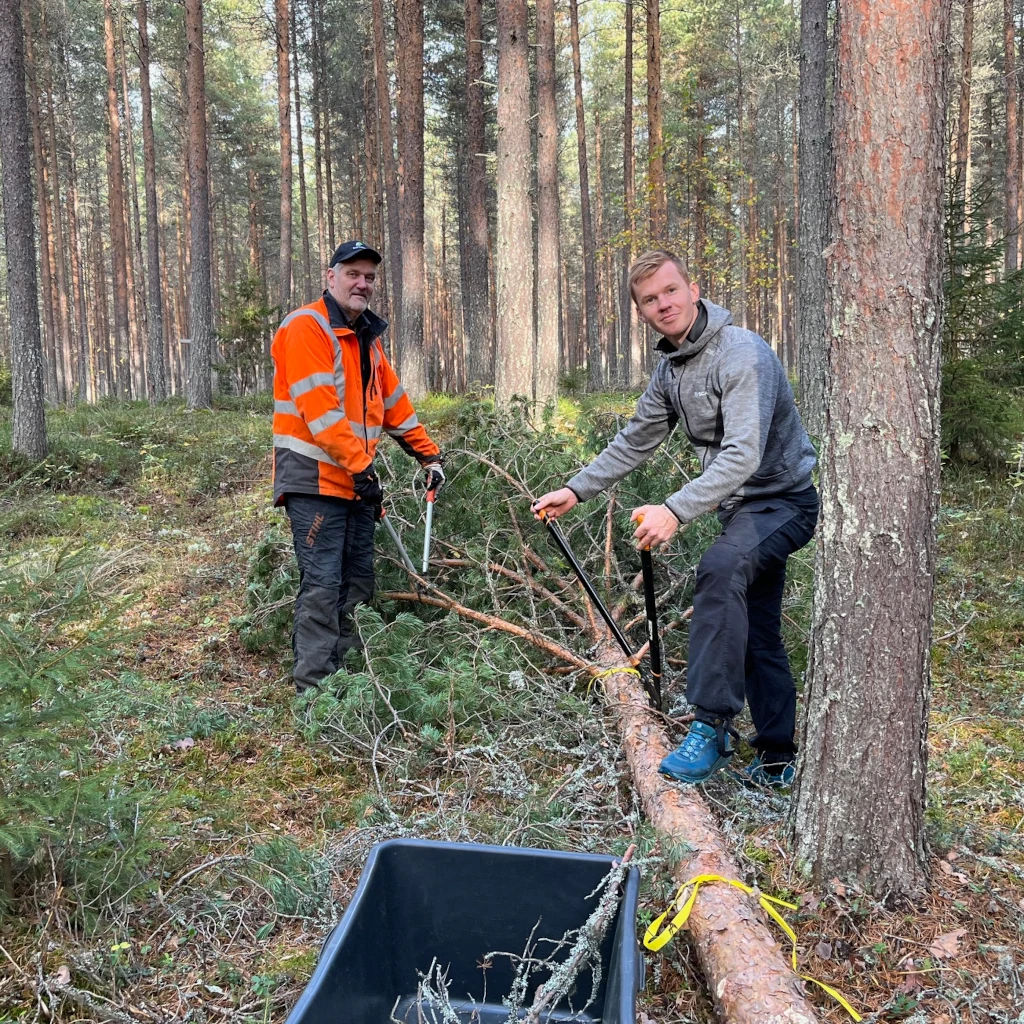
(720, 763)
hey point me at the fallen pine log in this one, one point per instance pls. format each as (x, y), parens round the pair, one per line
(749, 980)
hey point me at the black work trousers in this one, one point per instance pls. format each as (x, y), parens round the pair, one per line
(334, 547)
(736, 648)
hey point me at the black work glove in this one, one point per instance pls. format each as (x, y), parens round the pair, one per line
(434, 476)
(367, 486)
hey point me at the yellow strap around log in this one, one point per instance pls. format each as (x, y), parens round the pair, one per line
(655, 938)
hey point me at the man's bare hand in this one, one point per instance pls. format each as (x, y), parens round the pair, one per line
(554, 503)
(657, 525)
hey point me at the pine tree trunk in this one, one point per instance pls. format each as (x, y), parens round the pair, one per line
(155, 365)
(858, 804)
(514, 262)
(963, 128)
(324, 242)
(51, 388)
(307, 263)
(121, 371)
(77, 264)
(813, 226)
(476, 283)
(28, 428)
(409, 43)
(548, 249)
(201, 301)
(743, 215)
(655, 142)
(629, 328)
(589, 248)
(284, 123)
(139, 321)
(325, 122)
(387, 145)
(1012, 176)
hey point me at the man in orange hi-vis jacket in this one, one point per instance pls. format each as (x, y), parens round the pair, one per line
(335, 393)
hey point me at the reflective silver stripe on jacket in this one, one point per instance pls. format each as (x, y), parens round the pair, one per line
(367, 434)
(328, 419)
(314, 380)
(300, 447)
(392, 400)
(338, 380)
(288, 408)
(405, 426)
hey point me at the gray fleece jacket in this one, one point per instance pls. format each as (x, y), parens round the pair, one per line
(731, 394)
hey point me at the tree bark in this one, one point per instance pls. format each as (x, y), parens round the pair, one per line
(387, 145)
(155, 364)
(409, 43)
(307, 263)
(963, 128)
(743, 214)
(1012, 179)
(136, 275)
(201, 301)
(515, 349)
(548, 249)
(656, 145)
(28, 433)
(629, 333)
(77, 263)
(115, 206)
(476, 283)
(324, 241)
(589, 248)
(748, 978)
(284, 124)
(51, 388)
(813, 224)
(864, 731)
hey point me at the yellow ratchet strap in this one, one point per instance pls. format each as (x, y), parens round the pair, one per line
(610, 672)
(655, 938)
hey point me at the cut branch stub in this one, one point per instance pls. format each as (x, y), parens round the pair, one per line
(748, 978)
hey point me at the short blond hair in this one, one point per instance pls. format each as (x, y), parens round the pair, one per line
(647, 263)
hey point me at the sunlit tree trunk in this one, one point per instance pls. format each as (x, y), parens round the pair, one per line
(962, 153)
(656, 146)
(629, 328)
(589, 248)
(155, 365)
(476, 283)
(548, 256)
(115, 204)
(1012, 176)
(813, 222)
(28, 428)
(858, 805)
(409, 44)
(515, 349)
(307, 264)
(201, 301)
(387, 145)
(284, 124)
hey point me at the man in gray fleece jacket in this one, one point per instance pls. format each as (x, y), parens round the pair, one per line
(729, 391)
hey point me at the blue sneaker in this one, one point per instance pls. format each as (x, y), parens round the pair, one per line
(772, 774)
(698, 756)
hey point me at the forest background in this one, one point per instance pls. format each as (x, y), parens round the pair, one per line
(182, 835)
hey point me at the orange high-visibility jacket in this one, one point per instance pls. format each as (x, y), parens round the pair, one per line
(327, 421)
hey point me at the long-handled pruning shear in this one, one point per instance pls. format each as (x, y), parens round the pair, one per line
(431, 495)
(651, 604)
(653, 692)
(398, 541)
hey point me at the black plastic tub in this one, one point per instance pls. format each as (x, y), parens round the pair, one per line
(418, 901)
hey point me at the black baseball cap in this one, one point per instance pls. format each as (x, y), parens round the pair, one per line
(354, 251)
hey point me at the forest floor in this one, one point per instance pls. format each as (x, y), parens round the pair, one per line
(254, 810)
